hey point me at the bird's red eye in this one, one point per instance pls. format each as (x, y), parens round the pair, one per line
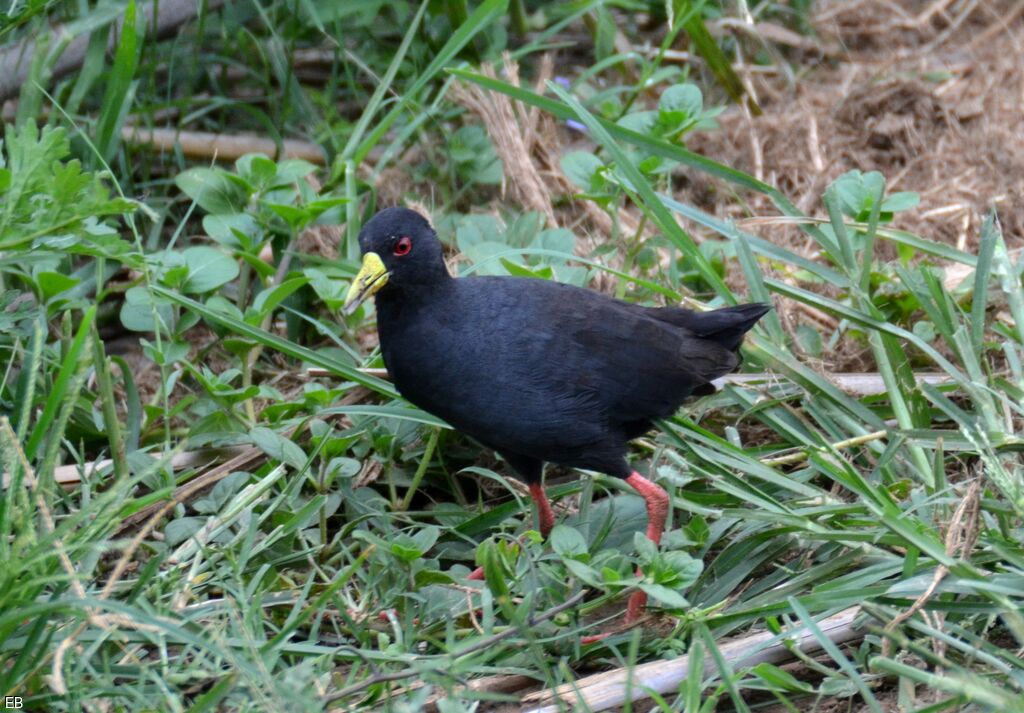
(403, 246)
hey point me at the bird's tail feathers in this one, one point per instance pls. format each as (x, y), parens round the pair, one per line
(725, 326)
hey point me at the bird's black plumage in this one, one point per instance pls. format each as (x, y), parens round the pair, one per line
(536, 370)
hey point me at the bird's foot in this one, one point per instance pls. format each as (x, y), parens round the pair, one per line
(658, 502)
(545, 522)
(634, 617)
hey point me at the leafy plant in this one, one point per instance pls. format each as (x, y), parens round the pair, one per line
(49, 203)
(523, 247)
(260, 201)
(325, 564)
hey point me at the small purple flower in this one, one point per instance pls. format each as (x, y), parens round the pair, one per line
(564, 81)
(576, 126)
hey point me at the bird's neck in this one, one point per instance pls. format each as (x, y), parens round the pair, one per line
(396, 300)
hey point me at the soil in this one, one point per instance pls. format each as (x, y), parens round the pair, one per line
(929, 93)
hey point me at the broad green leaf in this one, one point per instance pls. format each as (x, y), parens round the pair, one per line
(213, 190)
(54, 283)
(178, 531)
(586, 574)
(268, 300)
(686, 98)
(543, 273)
(232, 230)
(666, 596)
(257, 169)
(567, 541)
(580, 167)
(278, 447)
(208, 269)
(141, 313)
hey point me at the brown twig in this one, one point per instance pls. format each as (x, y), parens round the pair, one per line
(507, 683)
(632, 683)
(223, 147)
(960, 536)
(72, 474)
(155, 512)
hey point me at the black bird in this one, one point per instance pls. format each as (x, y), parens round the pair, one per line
(537, 370)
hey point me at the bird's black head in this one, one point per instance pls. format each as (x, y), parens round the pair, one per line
(400, 250)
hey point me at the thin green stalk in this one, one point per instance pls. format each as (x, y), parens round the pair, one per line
(458, 13)
(382, 86)
(517, 12)
(891, 361)
(631, 251)
(59, 393)
(421, 470)
(649, 68)
(321, 487)
(268, 339)
(833, 651)
(110, 421)
(867, 257)
(26, 391)
(351, 212)
(481, 18)
(244, 276)
(60, 425)
(704, 45)
(247, 362)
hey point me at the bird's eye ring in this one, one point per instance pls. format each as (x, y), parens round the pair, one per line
(403, 246)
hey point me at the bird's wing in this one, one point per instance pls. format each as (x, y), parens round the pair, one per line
(648, 367)
(600, 360)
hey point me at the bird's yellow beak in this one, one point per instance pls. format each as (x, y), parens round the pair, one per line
(372, 276)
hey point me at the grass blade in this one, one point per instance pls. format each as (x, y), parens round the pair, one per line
(272, 341)
(719, 64)
(982, 274)
(69, 367)
(373, 104)
(833, 651)
(117, 99)
(480, 19)
(651, 202)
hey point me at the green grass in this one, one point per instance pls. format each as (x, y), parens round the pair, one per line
(264, 589)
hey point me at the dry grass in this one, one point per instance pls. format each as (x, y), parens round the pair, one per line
(517, 135)
(530, 145)
(928, 93)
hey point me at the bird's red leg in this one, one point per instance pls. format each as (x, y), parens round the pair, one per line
(657, 502)
(545, 519)
(545, 515)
